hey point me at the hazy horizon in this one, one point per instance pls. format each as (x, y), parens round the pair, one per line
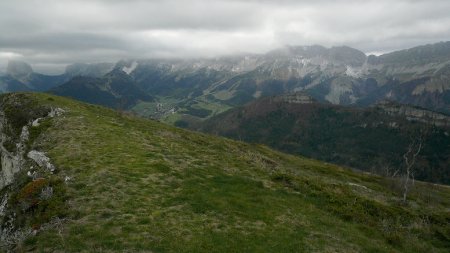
(56, 69)
(51, 34)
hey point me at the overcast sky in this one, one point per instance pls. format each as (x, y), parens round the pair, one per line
(50, 34)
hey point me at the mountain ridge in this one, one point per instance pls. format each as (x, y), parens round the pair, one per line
(114, 89)
(339, 75)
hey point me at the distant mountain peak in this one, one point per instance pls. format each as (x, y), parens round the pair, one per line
(18, 69)
(339, 54)
(93, 69)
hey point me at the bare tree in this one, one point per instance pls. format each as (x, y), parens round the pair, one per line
(410, 158)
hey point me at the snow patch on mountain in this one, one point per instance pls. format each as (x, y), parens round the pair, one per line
(131, 68)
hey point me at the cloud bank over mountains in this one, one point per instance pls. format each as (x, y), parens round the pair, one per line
(51, 34)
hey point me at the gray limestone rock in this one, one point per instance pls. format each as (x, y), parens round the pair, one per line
(41, 159)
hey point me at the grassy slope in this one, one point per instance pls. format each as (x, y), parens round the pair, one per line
(141, 185)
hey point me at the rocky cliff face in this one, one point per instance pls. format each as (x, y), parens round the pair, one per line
(415, 113)
(11, 161)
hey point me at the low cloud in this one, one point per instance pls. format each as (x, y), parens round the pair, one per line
(51, 34)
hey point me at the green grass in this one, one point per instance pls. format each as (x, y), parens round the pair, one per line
(139, 186)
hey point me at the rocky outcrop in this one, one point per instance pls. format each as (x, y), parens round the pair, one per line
(15, 158)
(295, 98)
(11, 162)
(41, 159)
(415, 113)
